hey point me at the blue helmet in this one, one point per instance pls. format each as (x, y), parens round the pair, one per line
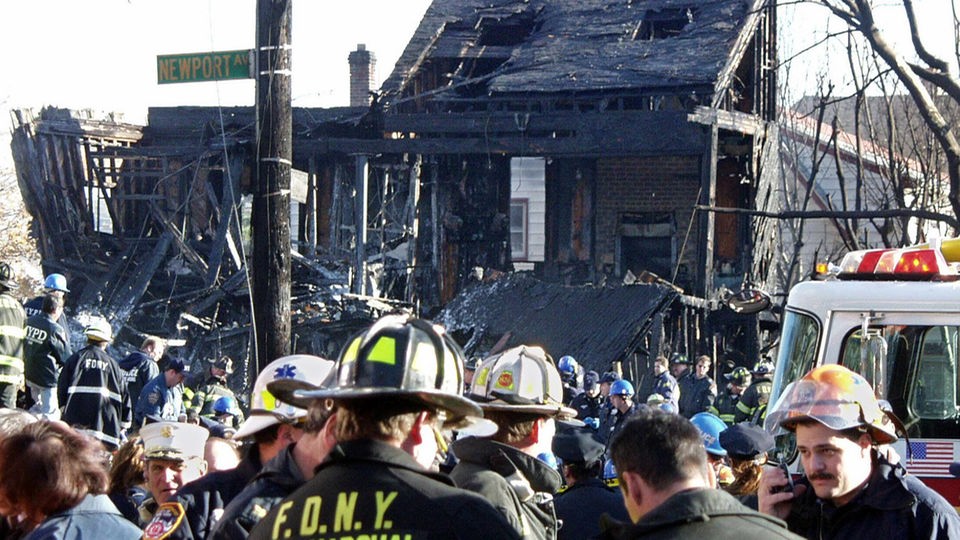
(226, 405)
(567, 365)
(710, 427)
(56, 282)
(610, 474)
(621, 387)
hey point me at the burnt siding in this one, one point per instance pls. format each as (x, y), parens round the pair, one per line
(645, 184)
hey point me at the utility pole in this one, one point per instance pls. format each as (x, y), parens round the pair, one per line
(271, 202)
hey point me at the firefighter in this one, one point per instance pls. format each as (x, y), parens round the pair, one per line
(273, 425)
(753, 404)
(292, 467)
(851, 490)
(586, 497)
(212, 388)
(173, 457)
(522, 392)
(12, 319)
(92, 389)
(726, 404)
(399, 383)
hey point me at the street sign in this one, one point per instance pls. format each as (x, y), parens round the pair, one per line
(211, 66)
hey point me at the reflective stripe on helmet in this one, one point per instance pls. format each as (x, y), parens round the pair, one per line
(384, 350)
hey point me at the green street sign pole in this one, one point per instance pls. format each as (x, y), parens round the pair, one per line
(199, 67)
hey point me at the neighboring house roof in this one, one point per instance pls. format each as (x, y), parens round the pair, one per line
(546, 46)
(876, 158)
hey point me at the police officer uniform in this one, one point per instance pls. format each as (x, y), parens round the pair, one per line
(159, 400)
(587, 405)
(581, 505)
(138, 370)
(46, 348)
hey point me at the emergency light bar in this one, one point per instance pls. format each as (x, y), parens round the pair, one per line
(911, 263)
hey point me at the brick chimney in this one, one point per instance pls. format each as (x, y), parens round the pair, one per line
(362, 68)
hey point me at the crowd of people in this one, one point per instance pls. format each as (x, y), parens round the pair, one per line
(403, 437)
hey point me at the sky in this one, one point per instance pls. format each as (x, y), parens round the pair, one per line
(101, 54)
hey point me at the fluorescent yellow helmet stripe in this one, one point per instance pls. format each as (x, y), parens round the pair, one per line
(384, 351)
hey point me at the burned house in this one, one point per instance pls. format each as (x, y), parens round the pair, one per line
(585, 142)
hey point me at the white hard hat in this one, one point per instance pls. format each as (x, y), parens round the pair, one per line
(265, 409)
(99, 330)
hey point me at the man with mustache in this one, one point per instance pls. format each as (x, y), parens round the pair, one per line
(851, 490)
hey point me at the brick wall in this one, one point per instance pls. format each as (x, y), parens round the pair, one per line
(645, 184)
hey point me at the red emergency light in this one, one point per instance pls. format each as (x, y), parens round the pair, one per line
(915, 264)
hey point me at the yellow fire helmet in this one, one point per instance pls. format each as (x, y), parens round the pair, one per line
(837, 398)
(521, 379)
(405, 357)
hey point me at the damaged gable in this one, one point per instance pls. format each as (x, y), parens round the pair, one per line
(512, 46)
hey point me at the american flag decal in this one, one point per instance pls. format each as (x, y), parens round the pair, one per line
(930, 458)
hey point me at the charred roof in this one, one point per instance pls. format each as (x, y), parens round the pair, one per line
(549, 46)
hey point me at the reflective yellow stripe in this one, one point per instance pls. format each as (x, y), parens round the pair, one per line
(13, 331)
(351, 353)
(11, 361)
(384, 351)
(744, 408)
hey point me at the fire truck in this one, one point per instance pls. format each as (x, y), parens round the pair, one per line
(892, 315)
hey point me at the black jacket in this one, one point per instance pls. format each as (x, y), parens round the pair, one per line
(706, 514)
(579, 509)
(587, 406)
(696, 395)
(46, 348)
(893, 505)
(279, 478)
(372, 488)
(483, 468)
(138, 370)
(94, 396)
(203, 498)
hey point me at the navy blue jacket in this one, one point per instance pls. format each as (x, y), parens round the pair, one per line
(45, 348)
(579, 509)
(203, 499)
(157, 399)
(279, 478)
(893, 505)
(138, 370)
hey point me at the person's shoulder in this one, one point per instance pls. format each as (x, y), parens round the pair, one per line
(932, 501)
